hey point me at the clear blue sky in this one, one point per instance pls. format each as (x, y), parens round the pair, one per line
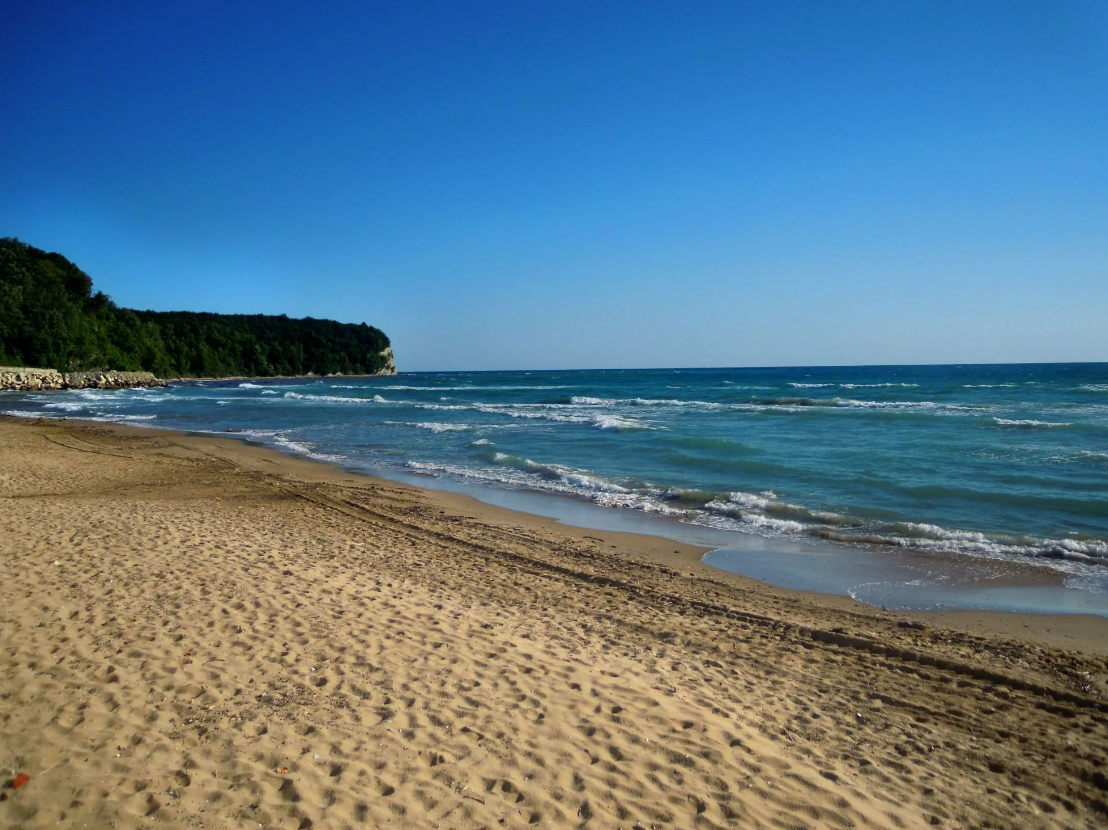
(602, 184)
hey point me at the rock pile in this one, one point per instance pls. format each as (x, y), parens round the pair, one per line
(24, 379)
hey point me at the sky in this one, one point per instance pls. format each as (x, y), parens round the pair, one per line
(539, 185)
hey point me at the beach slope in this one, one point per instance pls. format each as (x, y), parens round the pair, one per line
(197, 632)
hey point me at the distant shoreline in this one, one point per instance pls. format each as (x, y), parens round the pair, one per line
(308, 376)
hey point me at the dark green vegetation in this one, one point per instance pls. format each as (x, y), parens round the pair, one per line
(50, 317)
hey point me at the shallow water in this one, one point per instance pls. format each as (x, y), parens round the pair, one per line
(988, 463)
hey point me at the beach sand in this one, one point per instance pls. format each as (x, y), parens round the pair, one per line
(196, 632)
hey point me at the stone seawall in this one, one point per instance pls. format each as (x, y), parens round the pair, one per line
(24, 379)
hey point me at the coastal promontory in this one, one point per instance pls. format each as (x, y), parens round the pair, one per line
(51, 317)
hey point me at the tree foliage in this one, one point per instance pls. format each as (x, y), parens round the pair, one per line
(50, 317)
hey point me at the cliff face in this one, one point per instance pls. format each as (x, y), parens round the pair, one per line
(24, 379)
(390, 363)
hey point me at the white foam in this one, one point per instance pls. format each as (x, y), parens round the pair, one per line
(300, 448)
(250, 386)
(463, 388)
(854, 385)
(878, 385)
(65, 407)
(104, 419)
(640, 502)
(617, 423)
(301, 396)
(737, 503)
(550, 412)
(586, 401)
(912, 406)
(518, 472)
(753, 523)
(435, 426)
(773, 525)
(1029, 424)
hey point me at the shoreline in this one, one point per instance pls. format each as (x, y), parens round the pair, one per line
(887, 578)
(199, 630)
(961, 554)
(280, 377)
(1084, 631)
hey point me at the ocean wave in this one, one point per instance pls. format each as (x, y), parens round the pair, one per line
(766, 504)
(910, 406)
(465, 388)
(246, 433)
(751, 523)
(283, 441)
(438, 426)
(854, 385)
(576, 479)
(576, 409)
(641, 502)
(1029, 424)
(763, 513)
(247, 385)
(95, 394)
(516, 472)
(550, 412)
(581, 400)
(878, 385)
(787, 404)
(341, 399)
(936, 539)
(1093, 387)
(797, 401)
(65, 407)
(617, 423)
(121, 418)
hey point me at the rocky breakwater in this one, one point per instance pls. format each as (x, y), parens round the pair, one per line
(24, 379)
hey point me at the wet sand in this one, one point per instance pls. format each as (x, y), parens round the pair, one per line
(198, 632)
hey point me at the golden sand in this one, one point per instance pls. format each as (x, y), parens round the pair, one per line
(199, 633)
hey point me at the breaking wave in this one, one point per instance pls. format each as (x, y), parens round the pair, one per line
(1028, 423)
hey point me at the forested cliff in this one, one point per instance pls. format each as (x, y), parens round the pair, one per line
(51, 317)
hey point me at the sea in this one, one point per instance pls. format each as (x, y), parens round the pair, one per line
(926, 487)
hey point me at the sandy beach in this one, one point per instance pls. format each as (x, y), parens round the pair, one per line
(197, 632)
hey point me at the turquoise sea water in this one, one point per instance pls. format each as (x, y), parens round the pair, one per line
(986, 463)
